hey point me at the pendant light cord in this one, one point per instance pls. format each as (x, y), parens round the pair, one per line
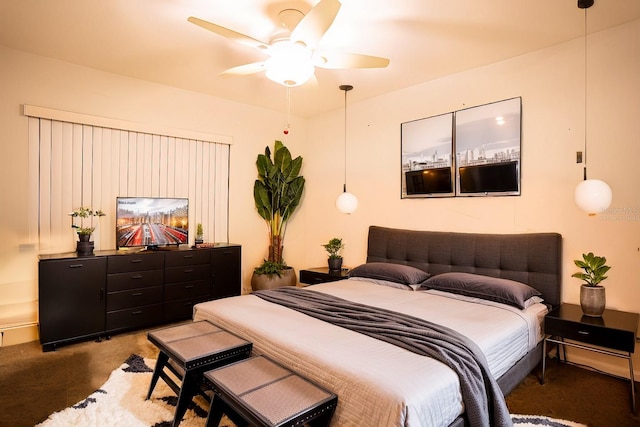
(585, 94)
(345, 140)
(345, 88)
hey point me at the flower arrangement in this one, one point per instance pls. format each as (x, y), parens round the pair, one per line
(85, 214)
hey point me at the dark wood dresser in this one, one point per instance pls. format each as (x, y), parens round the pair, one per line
(99, 295)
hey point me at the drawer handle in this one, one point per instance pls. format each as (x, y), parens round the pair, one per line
(583, 332)
(135, 313)
(136, 261)
(76, 265)
(137, 294)
(189, 286)
(188, 270)
(136, 276)
(188, 256)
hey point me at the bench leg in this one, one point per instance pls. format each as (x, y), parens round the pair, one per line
(160, 363)
(187, 392)
(219, 408)
(215, 412)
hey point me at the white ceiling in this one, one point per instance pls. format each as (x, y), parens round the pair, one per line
(424, 39)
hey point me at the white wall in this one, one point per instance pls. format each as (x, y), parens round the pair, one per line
(551, 84)
(35, 80)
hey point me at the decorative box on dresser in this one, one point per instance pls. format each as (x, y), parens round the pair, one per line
(93, 297)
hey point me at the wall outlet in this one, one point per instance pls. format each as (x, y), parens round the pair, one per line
(578, 156)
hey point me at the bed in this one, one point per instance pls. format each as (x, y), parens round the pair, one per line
(411, 272)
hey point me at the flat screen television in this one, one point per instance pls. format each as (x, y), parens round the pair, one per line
(491, 178)
(429, 181)
(151, 222)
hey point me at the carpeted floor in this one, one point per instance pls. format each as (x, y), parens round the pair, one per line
(120, 402)
(34, 384)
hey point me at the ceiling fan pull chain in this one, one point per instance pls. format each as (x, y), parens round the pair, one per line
(286, 129)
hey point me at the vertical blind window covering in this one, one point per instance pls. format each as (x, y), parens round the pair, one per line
(74, 164)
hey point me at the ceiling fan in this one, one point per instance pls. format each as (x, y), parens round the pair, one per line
(293, 53)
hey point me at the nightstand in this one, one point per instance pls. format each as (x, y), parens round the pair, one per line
(613, 334)
(313, 276)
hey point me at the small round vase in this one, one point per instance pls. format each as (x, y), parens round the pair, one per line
(592, 300)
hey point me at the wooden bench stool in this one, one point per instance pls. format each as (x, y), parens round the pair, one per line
(187, 351)
(260, 392)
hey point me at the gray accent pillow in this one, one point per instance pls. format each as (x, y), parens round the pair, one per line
(397, 273)
(490, 288)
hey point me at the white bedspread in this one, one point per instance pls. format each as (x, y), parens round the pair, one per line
(378, 383)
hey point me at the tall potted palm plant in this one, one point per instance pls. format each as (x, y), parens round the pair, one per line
(277, 193)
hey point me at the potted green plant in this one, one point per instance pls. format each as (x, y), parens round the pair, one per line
(199, 234)
(333, 248)
(592, 294)
(84, 228)
(277, 193)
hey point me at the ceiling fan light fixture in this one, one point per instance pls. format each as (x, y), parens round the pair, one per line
(290, 64)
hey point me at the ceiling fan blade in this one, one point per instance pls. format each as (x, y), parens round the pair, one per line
(315, 23)
(227, 33)
(244, 70)
(336, 60)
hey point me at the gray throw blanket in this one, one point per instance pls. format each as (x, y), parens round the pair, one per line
(483, 400)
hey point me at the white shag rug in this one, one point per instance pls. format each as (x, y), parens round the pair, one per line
(538, 420)
(120, 402)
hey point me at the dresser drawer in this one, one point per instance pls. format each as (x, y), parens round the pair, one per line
(181, 309)
(191, 257)
(590, 333)
(176, 291)
(187, 273)
(134, 280)
(135, 262)
(135, 317)
(134, 298)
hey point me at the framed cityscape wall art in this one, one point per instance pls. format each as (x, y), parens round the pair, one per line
(487, 144)
(486, 140)
(427, 157)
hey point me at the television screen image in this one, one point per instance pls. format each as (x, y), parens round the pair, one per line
(151, 221)
(490, 178)
(429, 181)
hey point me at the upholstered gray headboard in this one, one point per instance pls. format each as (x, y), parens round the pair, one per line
(531, 258)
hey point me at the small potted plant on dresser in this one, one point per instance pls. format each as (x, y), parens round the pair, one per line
(333, 248)
(84, 245)
(199, 234)
(592, 294)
